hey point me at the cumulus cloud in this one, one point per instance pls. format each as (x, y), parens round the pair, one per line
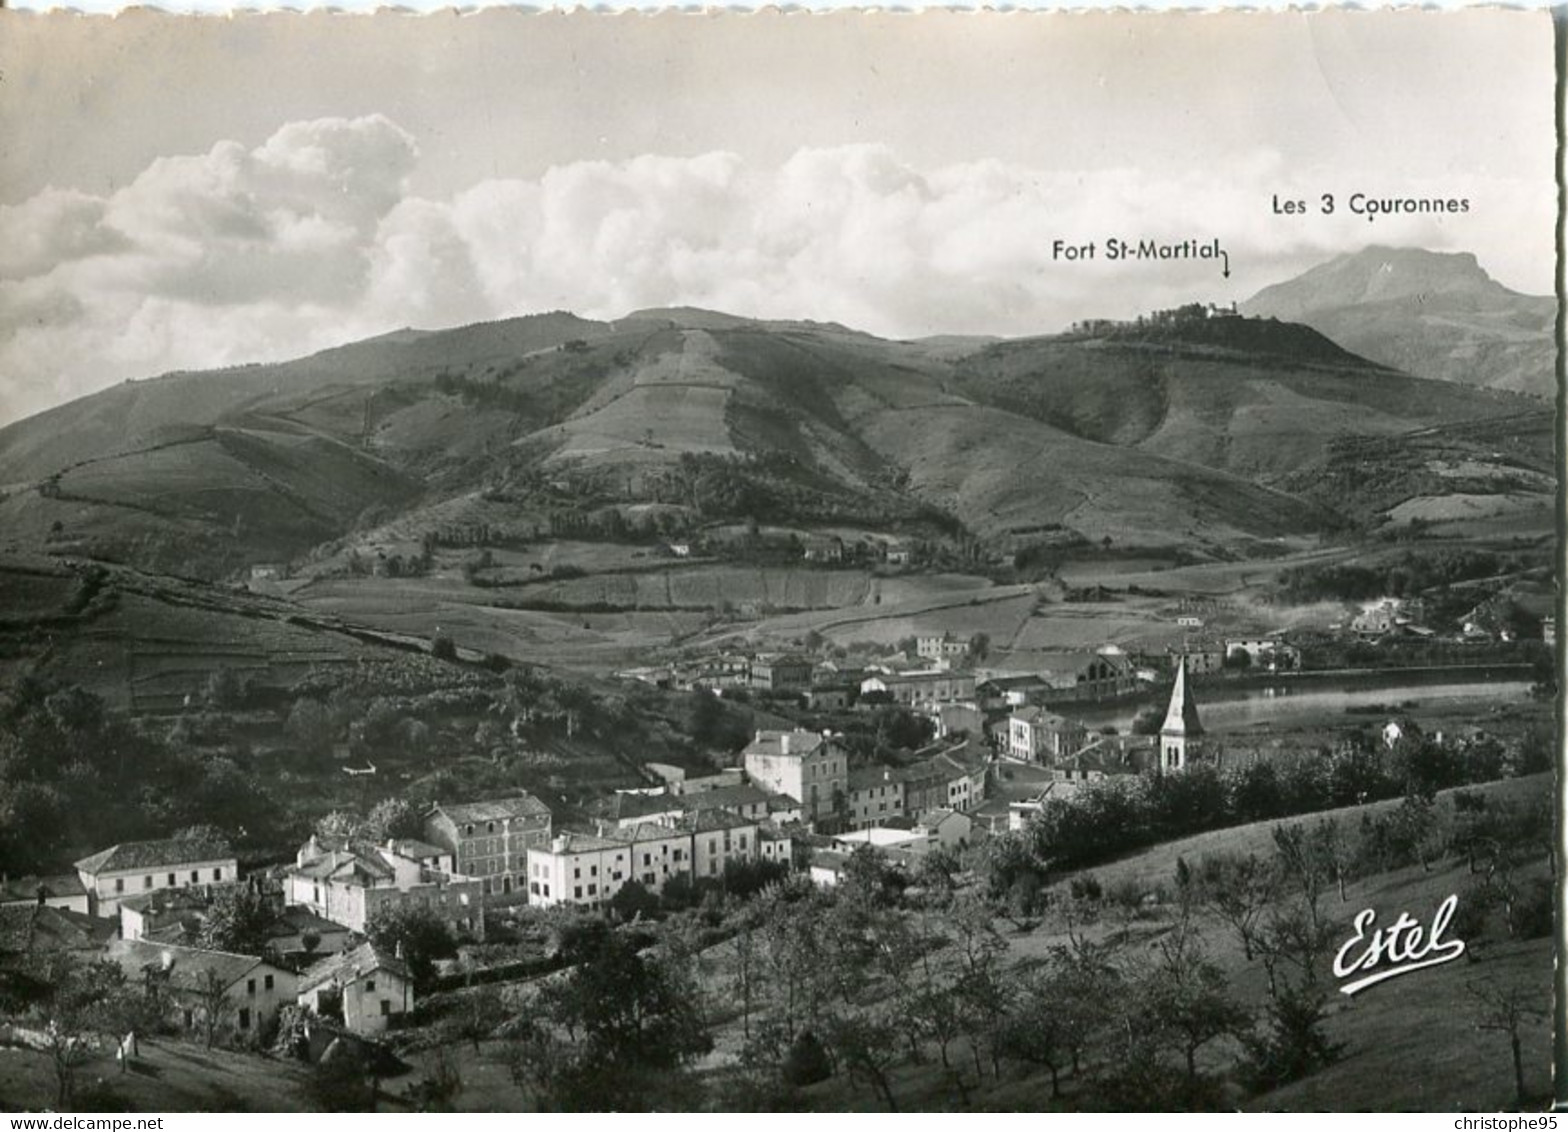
(311, 239)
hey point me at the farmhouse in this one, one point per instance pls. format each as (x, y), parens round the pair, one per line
(490, 839)
(822, 548)
(350, 886)
(812, 769)
(1386, 616)
(135, 867)
(245, 990)
(1269, 653)
(364, 988)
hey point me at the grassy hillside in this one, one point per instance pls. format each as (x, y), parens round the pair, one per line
(1194, 433)
(1267, 401)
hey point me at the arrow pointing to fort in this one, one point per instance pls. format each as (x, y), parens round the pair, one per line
(1226, 254)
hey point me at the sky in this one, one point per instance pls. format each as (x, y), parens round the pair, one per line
(195, 192)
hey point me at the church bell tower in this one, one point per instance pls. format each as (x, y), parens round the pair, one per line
(1181, 734)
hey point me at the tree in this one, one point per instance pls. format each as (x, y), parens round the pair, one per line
(1304, 867)
(225, 690)
(1187, 996)
(418, 932)
(312, 725)
(867, 1045)
(631, 1023)
(868, 880)
(1292, 1045)
(791, 945)
(707, 717)
(436, 1090)
(212, 991)
(479, 1011)
(807, 1061)
(392, 818)
(1239, 889)
(442, 647)
(75, 1009)
(237, 921)
(536, 1060)
(978, 985)
(1505, 1010)
(338, 826)
(341, 1081)
(1035, 1027)
(980, 646)
(747, 961)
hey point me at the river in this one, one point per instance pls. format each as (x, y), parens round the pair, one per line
(1295, 699)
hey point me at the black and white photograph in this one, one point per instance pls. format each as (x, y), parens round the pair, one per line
(844, 562)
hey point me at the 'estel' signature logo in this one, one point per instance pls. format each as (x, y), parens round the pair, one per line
(1405, 944)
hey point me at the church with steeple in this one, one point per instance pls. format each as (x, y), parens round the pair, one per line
(1181, 736)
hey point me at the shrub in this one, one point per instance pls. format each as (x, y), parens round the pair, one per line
(807, 1062)
(1086, 887)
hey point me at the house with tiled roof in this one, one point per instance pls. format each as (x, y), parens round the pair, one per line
(364, 988)
(351, 886)
(746, 800)
(876, 793)
(133, 868)
(31, 933)
(490, 839)
(297, 933)
(808, 766)
(717, 838)
(946, 779)
(167, 915)
(65, 891)
(780, 672)
(252, 989)
(587, 869)
(1037, 735)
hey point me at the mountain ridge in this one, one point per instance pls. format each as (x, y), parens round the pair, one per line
(1191, 427)
(1434, 314)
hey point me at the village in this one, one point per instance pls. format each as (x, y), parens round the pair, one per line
(322, 949)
